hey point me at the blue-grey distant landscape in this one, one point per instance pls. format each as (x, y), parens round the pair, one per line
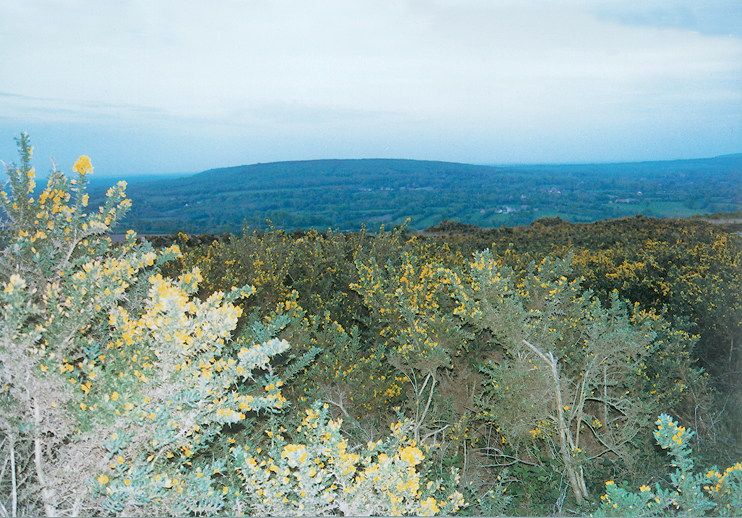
(349, 194)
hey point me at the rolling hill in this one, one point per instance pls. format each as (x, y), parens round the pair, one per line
(347, 194)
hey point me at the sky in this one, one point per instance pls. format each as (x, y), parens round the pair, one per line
(149, 87)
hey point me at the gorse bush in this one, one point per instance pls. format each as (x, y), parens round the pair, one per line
(325, 373)
(576, 374)
(468, 349)
(108, 368)
(691, 494)
(323, 475)
(124, 394)
(59, 278)
(578, 380)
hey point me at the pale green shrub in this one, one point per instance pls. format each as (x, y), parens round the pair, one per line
(579, 380)
(114, 379)
(691, 494)
(322, 474)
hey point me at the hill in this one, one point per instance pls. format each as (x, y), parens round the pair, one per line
(347, 194)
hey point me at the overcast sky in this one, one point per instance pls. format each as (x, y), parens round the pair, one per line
(176, 86)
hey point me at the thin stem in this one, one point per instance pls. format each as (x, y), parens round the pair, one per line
(578, 487)
(581, 406)
(421, 417)
(13, 481)
(605, 394)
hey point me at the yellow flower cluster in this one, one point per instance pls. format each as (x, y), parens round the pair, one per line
(83, 166)
(411, 455)
(15, 283)
(719, 481)
(319, 476)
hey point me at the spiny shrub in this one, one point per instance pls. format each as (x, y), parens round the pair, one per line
(689, 494)
(322, 474)
(123, 393)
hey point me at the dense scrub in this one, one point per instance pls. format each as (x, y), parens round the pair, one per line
(459, 371)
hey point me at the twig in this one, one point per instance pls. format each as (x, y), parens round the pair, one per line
(578, 486)
(14, 484)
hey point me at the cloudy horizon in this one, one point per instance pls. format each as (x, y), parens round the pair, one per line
(162, 87)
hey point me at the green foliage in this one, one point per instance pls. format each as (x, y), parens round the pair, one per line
(322, 475)
(399, 339)
(691, 494)
(575, 372)
(124, 393)
(410, 301)
(687, 270)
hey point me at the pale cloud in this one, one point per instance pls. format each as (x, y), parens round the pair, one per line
(357, 72)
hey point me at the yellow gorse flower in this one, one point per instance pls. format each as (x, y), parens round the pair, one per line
(83, 166)
(411, 454)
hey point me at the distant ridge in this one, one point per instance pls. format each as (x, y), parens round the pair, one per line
(733, 156)
(347, 194)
